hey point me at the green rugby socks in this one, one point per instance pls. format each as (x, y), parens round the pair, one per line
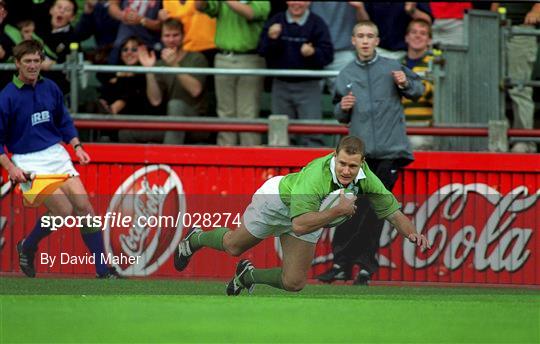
(271, 277)
(212, 239)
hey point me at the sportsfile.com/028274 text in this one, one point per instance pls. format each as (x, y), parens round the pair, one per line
(118, 220)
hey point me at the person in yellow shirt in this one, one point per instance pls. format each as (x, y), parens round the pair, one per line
(199, 28)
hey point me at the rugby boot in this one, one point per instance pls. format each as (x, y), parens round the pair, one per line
(237, 284)
(184, 251)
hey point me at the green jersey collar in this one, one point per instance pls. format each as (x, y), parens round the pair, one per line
(19, 83)
(360, 175)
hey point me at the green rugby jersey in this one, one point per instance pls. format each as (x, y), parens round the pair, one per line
(304, 191)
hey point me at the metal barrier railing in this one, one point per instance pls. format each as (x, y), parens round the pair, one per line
(99, 121)
(211, 71)
(278, 127)
(293, 128)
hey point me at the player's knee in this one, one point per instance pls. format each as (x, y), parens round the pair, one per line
(294, 284)
(232, 247)
(233, 250)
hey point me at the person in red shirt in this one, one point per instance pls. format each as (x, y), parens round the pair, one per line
(448, 24)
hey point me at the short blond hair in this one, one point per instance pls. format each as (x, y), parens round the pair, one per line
(367, 23)
(351, 145)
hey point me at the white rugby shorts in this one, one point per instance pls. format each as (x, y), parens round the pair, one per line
(52, 160)
(268, 216)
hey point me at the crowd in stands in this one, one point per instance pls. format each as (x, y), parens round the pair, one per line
(229, 34)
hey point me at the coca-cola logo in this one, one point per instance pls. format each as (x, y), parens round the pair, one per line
(496, 242)
(464, 222)
(151, 198)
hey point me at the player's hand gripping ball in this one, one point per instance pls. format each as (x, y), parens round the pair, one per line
(331, 201)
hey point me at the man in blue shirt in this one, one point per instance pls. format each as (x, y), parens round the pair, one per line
(33, 122)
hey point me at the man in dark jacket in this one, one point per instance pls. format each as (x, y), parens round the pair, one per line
(368, 98)
(297, 39)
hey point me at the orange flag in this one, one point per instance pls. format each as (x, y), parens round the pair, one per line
(42, 186)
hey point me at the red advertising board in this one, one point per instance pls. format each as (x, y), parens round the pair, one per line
(480, 211)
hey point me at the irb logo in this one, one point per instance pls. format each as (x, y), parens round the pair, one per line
(40, 117)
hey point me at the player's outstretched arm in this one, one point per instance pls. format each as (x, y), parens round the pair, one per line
(407, 229)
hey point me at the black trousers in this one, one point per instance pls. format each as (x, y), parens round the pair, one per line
(357, 240)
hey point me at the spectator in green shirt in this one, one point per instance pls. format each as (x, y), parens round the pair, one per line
(238, 27)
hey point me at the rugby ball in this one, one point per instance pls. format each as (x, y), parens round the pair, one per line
(331, 201)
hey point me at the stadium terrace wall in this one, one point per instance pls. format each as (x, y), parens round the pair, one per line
(480, 211)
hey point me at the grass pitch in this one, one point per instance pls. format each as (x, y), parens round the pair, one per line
(155, 311)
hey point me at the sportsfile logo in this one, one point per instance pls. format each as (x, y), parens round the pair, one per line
(153, 191)
(40, 117)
